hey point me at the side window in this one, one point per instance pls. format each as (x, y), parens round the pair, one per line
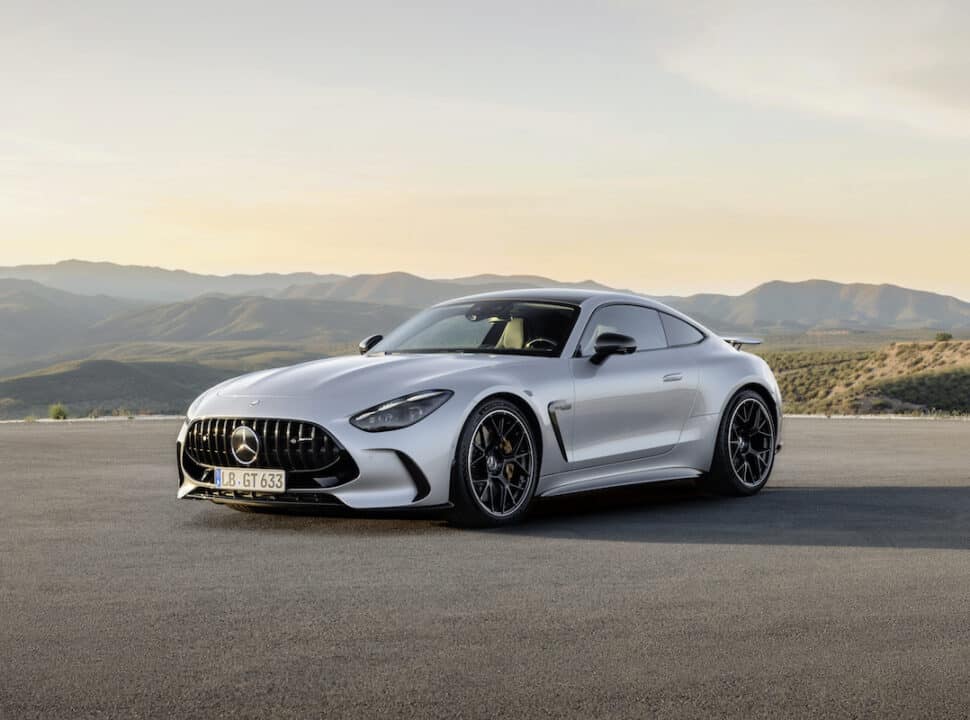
(680, 333)
(640, 323)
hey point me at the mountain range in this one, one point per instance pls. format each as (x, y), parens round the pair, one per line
(153, 284)
(825, 305)
(135, 282)
(62, 325)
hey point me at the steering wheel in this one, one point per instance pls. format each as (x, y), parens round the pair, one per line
(541, 343)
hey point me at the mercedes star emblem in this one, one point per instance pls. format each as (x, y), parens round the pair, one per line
(244, 444)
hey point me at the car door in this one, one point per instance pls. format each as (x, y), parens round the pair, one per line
(635, 405)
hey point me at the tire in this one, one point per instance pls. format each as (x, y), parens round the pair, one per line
(744, 454)
(496, 467)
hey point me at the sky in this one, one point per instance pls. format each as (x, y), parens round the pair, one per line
(666, 147)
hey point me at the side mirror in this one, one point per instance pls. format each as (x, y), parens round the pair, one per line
(610, 343)
(368, 342)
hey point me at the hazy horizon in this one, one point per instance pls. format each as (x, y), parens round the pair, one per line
(577, 279)
(666, 149)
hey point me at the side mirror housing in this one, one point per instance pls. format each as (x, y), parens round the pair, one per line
(610, 343)
(368, 342)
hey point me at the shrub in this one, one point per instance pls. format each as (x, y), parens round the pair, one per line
(944, 336)
(57, 412)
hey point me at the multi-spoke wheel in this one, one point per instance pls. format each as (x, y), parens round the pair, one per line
(746, 444)
(496, 467)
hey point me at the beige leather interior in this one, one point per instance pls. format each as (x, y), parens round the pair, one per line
(513, 337)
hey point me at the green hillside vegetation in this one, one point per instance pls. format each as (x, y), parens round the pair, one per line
(922, 377)
(217, 318)
(945, 391)
(836, 348)
(105, 387)
(36, 319)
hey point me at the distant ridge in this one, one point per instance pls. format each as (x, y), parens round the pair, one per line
(400, 288)
(823, 304)
(156, 284)
(219, 318)
(36, 319)
(149, 339)
(152, 283)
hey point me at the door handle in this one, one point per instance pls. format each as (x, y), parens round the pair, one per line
(673, 377)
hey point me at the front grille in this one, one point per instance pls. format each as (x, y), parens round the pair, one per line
(289, 445)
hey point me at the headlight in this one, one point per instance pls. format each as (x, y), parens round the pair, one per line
(401, 412)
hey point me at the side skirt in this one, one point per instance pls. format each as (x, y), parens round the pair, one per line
(606, 477)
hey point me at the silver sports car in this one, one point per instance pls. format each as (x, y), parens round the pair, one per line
(481, 404)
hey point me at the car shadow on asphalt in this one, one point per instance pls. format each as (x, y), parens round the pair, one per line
(676, 512)
(884, 516)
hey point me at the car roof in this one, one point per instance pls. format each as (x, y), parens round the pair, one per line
(573, 296)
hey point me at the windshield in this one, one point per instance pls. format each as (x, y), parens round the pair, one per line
(493, 326)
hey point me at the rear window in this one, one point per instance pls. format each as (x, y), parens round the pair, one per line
(679, 332)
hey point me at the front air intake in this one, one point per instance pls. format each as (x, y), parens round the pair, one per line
(289, 445)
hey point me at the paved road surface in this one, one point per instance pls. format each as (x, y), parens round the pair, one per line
(842, 590)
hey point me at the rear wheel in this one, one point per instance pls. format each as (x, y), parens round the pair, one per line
(746, 442)
(496, 467)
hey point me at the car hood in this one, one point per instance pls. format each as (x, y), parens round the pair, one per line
(356, 382)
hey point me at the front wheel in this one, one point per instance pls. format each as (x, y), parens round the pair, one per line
(746, 442)
(496, 467)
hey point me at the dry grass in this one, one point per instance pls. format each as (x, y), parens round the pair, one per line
(902, 377)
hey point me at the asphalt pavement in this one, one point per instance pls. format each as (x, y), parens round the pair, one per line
(842, 590)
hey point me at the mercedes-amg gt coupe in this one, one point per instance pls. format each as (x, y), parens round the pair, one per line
(480, 405)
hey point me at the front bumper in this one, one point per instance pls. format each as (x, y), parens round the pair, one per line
(407, 468)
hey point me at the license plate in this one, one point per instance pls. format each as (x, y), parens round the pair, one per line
(268, 481)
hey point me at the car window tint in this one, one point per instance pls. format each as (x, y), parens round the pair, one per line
(679, 332)
(640, 323)
(499, 326)
(454, 331)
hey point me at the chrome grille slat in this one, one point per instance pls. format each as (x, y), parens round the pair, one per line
(291, 445)
(301, 446)
(224, 441)
(313, 444)
(276, 442)
(261, 455)
(220, 434)
(286, 441)
(207, 433)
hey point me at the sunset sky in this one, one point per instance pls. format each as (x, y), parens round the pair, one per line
(667, 147)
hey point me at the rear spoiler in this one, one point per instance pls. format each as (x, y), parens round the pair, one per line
(737, 342)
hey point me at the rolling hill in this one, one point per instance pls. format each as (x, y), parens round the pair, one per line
(821, 304)
(215, 318)
(152, 283)
(399, 288)
(35, 319)
(100, 352)
(910, 377)
(160, 285)
(105, 386)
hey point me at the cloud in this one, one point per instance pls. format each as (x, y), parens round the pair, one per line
(890, 62)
